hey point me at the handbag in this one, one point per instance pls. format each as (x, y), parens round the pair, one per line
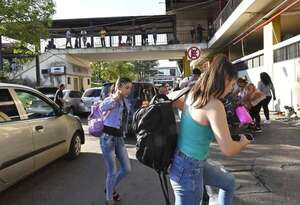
(243, 115)
(96, 120)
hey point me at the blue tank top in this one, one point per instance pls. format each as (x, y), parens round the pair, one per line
(194, 138)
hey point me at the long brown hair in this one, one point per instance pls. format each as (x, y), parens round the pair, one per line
(212, 82)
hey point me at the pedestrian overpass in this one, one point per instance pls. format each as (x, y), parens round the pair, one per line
(85, 56)
(58, 63)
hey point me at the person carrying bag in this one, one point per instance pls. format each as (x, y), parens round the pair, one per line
(112, 138)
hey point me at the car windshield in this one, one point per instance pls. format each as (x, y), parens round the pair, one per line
(92, 93)
(75, 94)
(142, 91)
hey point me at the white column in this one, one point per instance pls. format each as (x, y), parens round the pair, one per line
(268, 48)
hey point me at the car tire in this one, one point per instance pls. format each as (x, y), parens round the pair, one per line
(75, 146)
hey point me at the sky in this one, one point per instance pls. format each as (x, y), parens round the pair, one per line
(66, 9)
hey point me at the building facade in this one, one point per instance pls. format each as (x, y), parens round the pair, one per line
(55, 70)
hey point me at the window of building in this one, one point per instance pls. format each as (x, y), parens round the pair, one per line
(45, 71)
(298, 49)
(292, 51)
(288, 52)
(256, 62)
(261, 60)
(88, 81)
(250, 63)
(8, 109)
(69, 80)
(172, 72)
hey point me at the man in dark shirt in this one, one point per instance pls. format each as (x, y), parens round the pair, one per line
(58, 99)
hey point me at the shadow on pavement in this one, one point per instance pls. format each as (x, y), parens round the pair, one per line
(81, 182)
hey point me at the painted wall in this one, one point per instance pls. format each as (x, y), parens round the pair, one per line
(72, 71)
(284, 77)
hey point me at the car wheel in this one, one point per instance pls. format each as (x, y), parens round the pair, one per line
(75, 146)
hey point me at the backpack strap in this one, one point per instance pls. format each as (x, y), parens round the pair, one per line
(182, 92)
(164, 186)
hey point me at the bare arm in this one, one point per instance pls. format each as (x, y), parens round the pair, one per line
(273, 91)
(217, 118)
(179, 104)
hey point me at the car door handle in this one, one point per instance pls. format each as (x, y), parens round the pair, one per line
(39, 128)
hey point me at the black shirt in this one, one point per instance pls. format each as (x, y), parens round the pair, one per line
(58, 97)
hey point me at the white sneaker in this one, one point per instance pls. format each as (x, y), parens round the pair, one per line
(267, 122)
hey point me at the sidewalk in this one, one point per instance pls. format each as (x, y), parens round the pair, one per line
(267, 172)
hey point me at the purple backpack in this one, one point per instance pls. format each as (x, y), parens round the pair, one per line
(96, 120)
(243, 115)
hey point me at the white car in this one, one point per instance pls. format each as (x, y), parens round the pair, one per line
(89, 97)
(34, 131)
(72, 102)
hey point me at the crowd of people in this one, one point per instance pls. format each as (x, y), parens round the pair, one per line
(203, 119)
(81, 38)
(254, 98)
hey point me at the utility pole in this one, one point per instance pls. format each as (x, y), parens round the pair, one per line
(1, 55)
(37, 66)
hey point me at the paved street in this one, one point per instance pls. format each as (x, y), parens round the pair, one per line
(267, 173)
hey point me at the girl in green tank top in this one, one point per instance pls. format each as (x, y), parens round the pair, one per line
(204, 119)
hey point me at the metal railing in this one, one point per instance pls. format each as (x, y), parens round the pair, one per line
(186, 37)
(225, 13)
(111, 41)
(128, 41)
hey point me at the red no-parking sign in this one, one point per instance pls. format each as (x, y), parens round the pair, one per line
(193, 53)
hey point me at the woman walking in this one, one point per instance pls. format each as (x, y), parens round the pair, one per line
(112, 142)
(265, 85)
(204, 119)
(253, 101)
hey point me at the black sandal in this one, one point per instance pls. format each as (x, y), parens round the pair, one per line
(116, 195)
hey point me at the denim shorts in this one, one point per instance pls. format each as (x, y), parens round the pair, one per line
(188, 177)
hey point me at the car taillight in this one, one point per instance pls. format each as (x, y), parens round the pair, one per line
(145, 103)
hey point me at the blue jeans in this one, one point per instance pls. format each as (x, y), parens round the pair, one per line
(112, 148)
(188, 176)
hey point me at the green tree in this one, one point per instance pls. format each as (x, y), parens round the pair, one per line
(4, 70)
(143, 68)
(111, 70)
(26, 20)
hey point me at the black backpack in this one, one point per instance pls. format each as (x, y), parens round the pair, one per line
(156, 132)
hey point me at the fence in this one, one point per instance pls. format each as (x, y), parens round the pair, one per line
(225, 13)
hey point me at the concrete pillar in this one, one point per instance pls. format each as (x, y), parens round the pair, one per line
(276, 30)
(272, 35)
(186, 66)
